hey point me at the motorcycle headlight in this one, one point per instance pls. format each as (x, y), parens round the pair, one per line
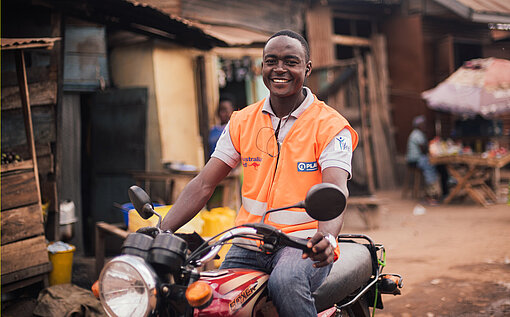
(127, 287)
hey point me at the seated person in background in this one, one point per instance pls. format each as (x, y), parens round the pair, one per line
(417, 155)
(225, 109)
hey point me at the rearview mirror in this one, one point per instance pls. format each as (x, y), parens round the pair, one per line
(141, 201)
(324, 202)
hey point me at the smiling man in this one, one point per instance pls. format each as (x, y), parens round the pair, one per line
(295, 141)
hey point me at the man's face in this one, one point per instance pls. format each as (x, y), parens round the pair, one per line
(284, 67)
(225, 111)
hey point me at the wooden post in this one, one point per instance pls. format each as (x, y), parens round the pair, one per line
(203, 113)
(382, 90)
(365, 132)
(27, 114)
(383, 157)
(102, 229)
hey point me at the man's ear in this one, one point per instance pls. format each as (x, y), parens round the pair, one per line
(308, 68)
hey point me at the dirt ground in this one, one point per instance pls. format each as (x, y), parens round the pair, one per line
(455, 259)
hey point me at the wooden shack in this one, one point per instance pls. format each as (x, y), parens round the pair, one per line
(397, 49)
(24, 255)
(73, 98)
(427, 41)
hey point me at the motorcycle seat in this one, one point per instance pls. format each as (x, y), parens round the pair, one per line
(351, 271)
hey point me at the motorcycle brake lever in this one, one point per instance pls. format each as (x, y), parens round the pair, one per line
(262, 228)
(295, 242)
(267, 230)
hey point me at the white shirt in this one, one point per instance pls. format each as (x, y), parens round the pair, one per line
(414, 143)
(338, 153)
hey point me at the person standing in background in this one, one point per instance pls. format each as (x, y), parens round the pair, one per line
(224, 111)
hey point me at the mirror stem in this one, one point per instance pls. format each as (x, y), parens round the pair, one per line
(159, 219)
(300, 204)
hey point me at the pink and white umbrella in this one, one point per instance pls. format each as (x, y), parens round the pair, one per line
(480, 86)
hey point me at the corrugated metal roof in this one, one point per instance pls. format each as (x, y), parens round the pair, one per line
(139, 17)
(483, 11)
(488, 6)
(22, 43)
(232, 35)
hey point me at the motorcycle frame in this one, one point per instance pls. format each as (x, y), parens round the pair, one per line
(377, 270)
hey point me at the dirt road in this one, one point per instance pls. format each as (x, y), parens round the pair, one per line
(455, 259)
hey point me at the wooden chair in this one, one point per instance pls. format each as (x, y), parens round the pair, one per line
(413, 177)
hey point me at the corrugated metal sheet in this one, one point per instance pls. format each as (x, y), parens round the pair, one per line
(22, 43)
(264, 15)
(488, 6)
(483, 11)
(138, 17)
(230, 34)
(234, 36)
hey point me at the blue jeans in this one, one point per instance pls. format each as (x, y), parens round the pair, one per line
(429, 171)
(292, 280)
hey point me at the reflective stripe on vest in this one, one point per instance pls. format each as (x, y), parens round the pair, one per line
(254, 207)
(282, 217)
(289, 217)
(307, 233)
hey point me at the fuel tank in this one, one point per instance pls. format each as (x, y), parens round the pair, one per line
(237, 292)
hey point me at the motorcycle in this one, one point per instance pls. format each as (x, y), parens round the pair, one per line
(157, 273)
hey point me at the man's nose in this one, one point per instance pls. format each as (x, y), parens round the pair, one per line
(280, 67)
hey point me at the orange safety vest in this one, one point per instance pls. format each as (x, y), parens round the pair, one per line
(272, 180)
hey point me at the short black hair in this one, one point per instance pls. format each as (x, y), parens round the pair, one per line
(296, 36)
(226, 97)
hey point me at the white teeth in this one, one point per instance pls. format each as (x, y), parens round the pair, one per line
(279, 80)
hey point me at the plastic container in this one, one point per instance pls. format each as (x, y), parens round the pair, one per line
(136, 222)
(67, 219)
(62, 262)
(215, 221)
(125, 208)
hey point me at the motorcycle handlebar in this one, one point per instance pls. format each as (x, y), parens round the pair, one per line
(259, 231)
(225, 237)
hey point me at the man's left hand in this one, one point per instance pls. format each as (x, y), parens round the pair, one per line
(322, 250)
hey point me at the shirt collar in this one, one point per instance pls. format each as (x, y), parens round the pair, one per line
(266, 108)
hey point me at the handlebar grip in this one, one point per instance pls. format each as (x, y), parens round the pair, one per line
(298, 243)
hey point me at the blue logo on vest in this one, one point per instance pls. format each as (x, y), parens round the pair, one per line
(307, 166)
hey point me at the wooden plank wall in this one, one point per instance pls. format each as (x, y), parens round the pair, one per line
(24, 254)
(29, 96)
(371, 115)
(319, 33)
(406, 64)
(18, 189)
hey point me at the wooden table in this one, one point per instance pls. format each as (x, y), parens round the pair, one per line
(368, 208)
(472, 173)
(106, 230)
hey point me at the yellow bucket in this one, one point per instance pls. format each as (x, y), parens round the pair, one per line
(62, 262)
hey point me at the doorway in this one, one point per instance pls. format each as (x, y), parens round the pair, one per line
(113, 145)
